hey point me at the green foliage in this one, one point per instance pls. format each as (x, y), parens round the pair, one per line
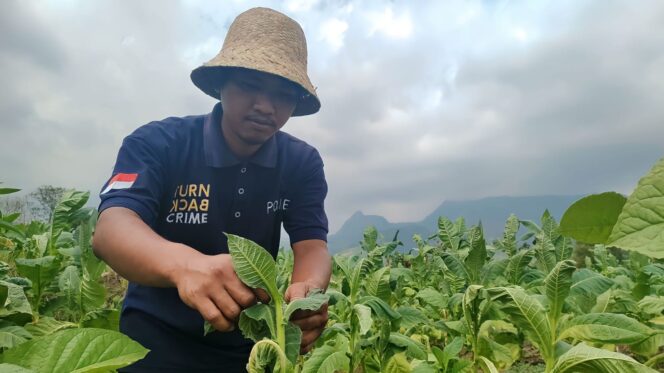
(278, 340)
(76, 350)
(640, 226)
(51, 294)
(583, 358)
(453, 304)
(591, 219)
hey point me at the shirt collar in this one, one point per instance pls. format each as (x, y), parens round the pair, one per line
(217, 152)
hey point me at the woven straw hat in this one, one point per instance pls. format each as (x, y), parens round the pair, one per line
(265, 40)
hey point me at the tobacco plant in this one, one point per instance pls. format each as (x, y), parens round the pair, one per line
(277, 339)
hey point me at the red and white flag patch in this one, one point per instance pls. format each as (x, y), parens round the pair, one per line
(120, 181)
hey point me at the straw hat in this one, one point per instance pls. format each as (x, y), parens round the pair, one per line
(265, 40)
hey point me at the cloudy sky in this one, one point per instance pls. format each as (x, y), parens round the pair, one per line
(422, 101)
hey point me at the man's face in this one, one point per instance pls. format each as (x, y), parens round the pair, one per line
(255, 106)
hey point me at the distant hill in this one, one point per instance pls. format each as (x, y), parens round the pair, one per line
(492, 211)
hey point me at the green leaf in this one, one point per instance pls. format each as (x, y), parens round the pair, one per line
(293, 341)
(592, 218)
(12, 335)
(8, 190)
(70, 202)
(486, 365)
(265, 355)
(327, 359)
(503, 354)
(425, 367)
(10, 227)
(47, 325)
(411, 317)
(433, 298)
(583, 358)
(253, 265)
(456, 265)
(11, 368)
(93, 267)
(586, 286)
(640, 226)
(606, 328)
(313, 302)
(357, 275)
(652, 305)
(451, 351)
(4, 293)
(107, 318)
(509, 235)
(413, 348)
(557, 285)
(257, 322)
(397, 364)
(378, 284)
(380, 308)
(603, 302)
(545, 252)
(40, 271)
(93, 294)
(16, 307)
(517, 266)
(477, 254)
(528, 314)
(448, 234)
(649, 347)
(76, 351)
(549, 227)
(70, 285)
(362, 318)
(370, 237)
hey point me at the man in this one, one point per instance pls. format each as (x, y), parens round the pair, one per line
(179, 184)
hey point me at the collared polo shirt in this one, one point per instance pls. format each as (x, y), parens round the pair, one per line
(181, 178)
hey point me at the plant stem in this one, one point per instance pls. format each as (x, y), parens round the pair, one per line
(280, 322)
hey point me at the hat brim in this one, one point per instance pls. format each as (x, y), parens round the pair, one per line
(209, 79)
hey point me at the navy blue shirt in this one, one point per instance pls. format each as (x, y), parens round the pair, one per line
(181, 178)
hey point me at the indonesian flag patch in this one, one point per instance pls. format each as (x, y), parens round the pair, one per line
(120, 181)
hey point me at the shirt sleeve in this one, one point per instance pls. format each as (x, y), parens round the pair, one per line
(137, 181)
(305, 217)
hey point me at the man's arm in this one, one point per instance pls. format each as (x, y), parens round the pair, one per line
(312, 269)
(312, 263)
(207, 283)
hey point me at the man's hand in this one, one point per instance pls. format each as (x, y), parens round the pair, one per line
(210, 285)
(312, 323)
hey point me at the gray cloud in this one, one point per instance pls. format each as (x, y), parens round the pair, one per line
(479, 100)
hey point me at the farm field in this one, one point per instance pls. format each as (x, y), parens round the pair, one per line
(585, 294)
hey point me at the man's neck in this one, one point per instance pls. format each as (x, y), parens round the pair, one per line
(240, 149)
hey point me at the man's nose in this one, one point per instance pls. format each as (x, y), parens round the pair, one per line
(264, 103)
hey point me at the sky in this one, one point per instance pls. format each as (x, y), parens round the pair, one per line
(422, 101)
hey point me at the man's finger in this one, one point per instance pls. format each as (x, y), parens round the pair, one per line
(241, 294)
(310, 337)
(227, 305)
(303, 314)
(306, 349)
(312, 322)
(213, 315)
(262, 295)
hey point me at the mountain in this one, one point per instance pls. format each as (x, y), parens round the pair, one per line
(492, 211)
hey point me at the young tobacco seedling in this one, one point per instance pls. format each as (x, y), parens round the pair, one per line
(277, 339)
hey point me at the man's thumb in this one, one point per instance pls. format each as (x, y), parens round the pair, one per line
(297, 290)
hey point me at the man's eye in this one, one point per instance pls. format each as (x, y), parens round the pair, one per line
(290, 96)
(249, 86)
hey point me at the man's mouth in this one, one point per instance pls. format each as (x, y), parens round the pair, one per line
(261, 121)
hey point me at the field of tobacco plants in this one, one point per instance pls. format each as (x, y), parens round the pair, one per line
(585, 294)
